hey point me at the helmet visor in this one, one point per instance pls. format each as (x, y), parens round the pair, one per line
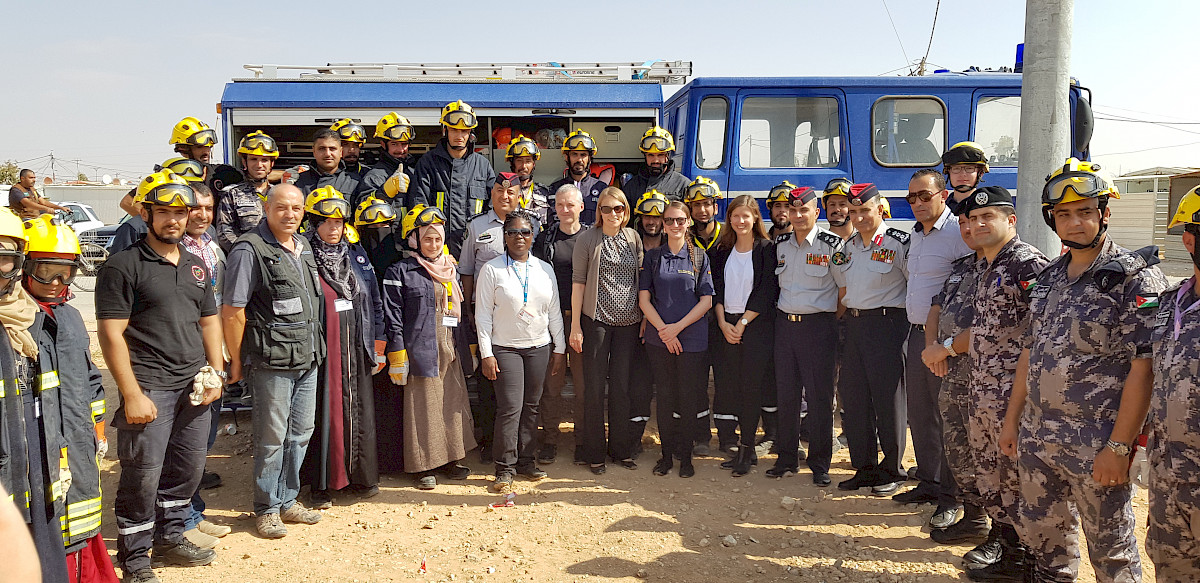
(352, 132)
(579, 142)
(654, 207)
(10, 263)
(401, 133)
(656, 144)
(523, 148)
(430, 216)
(261, 142)
(460, 119)
(203, 138)
(377, 213)
(701, 191)
(171, 195)
(189, 170)
(779, 194)
(841, 187)
(332, 208)
(1082, 184)
(47, 271)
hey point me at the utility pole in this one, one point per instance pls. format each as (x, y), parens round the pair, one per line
(1045, 114)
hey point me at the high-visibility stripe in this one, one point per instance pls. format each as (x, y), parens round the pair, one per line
(725, 417)
(174, 503)
(136, 528)
(82, 525)
(702, 414)
(441, 200)
(2, 385)
(394, 282)
(83, 508)
(56, 489)
(48, 380)
(770, 409)
(638, 419)
(98, 407)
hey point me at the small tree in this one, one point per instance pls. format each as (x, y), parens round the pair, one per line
(9, 172)
(82, 177)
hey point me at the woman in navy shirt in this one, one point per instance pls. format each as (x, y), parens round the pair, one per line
(676, 294)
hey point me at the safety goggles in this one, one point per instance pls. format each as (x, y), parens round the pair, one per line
(202, 138)
(523, 148)
(651, 206)
(332, 208)
(1083, 184)
(171, 195)
(189, 170)
(263, 142)
(377, 213)
(923, 196)
(779, 194)
(430, 216)
(10, 263)
(656, 144)
(697, 192)
(838, 186)
(48, 270)
(401, 133)
(460, 119)
(352, 132)
(579, 142)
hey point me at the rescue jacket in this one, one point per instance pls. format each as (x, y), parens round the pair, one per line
(14, 461)
(458, 186)
(283, 318)
(672, 184)
(373, 179)
(410, 313)
(45, 382)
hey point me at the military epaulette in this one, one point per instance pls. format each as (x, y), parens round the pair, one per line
(830, 239)
(964, 259)
(782, 237)
(898, 235)
(1124, 266)
(477, 215)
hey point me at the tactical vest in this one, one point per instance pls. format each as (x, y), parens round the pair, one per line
(283, 318)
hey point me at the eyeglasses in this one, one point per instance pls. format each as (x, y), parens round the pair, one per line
(579, 142)
(964, 168)
(171, 195)
(608, 210)
(47, 271)
(265, 142)
(923, 196)
(656, 143)
(1083, 184)
(459, 118)
(332, 208)
(681, 221)
(519, 232)
(203, 138)
(401, 133)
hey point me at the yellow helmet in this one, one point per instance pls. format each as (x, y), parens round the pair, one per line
(1076, 180)
(459, 115)
(11, 226)
(185, 168)
(349, 131)
(165, 188)
(1188, 212)
(579, 140)
(700, 189)
(522, 146)
(327, 202)
(656, 141)
(653, 203)
(373, 211)
(193, 132)
(781, 193)
(259, 144)
(887, 207)
(394, 127)
(421, 216)
(840, 185)
(965, 153)
(46, 234)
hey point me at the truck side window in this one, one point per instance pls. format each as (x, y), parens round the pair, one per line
(710, 145)
(909, 131)
(998, 128)
(789, 132)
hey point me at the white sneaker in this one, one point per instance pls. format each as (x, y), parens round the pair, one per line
(217, 530)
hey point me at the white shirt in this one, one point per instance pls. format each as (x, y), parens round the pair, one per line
(516, 305)
(739, 280)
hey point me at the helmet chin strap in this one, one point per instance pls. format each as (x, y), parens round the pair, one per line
(839, 223)
(1095, 241)
(964, 188)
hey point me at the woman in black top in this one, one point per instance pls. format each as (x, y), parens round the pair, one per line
(743, 270)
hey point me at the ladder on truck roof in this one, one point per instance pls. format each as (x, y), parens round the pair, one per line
(659, 71)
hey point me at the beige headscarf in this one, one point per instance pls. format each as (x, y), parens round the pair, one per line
(17, 311)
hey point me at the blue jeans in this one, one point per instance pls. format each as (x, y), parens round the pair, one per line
(284, 413)
(197, 510)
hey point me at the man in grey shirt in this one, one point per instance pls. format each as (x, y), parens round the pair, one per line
(24, 200)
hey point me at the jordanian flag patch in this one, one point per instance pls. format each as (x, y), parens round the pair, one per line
(1028, 285)
(1146, 301)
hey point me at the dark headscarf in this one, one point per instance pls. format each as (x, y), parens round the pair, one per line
(333, 262)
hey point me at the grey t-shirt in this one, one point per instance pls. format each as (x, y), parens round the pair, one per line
(15, 194)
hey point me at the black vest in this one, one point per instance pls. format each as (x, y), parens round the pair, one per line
(283, 318)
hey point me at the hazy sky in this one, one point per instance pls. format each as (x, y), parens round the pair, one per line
(103, 82)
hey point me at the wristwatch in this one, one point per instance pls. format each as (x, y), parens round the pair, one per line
(744, 322)
(224, 375)
(949, 346)
(1121, 449)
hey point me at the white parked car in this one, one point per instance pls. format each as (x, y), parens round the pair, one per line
(83, 217)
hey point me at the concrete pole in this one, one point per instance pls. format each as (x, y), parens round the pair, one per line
(1045, 114)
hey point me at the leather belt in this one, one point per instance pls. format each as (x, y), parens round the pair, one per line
(874, 312)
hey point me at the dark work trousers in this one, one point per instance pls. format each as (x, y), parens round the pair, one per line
(607, 356)
(389, 420)
(196, 514)
(485, 411)
(518, 389)
(925, 422)
(805, 358)
(723, 413)
(641, 392)
(742, 371)
(161, 464)
(871, 393)
(681, 380)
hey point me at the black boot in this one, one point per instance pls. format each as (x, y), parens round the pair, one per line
(731, 463)
(685, 464)
(745, 458)
(727, 434)
(1013, 564)
(770, 425)
(972, 527)
(987, 552)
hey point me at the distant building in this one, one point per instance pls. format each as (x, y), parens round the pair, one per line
(1141, 215)
(1180, 184)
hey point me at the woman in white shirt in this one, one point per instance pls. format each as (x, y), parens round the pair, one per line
(518, 318)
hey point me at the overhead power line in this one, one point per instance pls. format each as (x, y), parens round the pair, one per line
(897, 31)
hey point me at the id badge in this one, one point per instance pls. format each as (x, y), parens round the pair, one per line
(449, 321)
(343, 305)
(526, 316)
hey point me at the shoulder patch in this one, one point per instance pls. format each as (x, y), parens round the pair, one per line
(783, 237)
(898, 235)
(830, 239)
(1146, 301)
(839, 258)
(1123, 266)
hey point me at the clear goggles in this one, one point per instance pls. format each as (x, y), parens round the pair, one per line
(579, 142)
(1083, 184)
(48, 271)
(171, 195)
(203, 138)
(332, 208)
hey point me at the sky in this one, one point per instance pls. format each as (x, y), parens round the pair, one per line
(104, 82)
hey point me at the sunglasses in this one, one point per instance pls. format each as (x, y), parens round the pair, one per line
(923, 196)
(608, 210)
(681, 221)
(525, 233)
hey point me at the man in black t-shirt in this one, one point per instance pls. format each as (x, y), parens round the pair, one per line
(556, 246)
(158, 327)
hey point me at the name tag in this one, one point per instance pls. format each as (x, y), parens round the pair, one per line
(287, 307)
(449, 321)
(343, 305)
(815, 259)
(954, 279)
(525, 316)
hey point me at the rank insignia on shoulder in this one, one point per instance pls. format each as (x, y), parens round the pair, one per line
(1146, 301)
(782, 237)
(780, 263)
(898, 235)
(830, 239)
(839, 258)
(1162, 318)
